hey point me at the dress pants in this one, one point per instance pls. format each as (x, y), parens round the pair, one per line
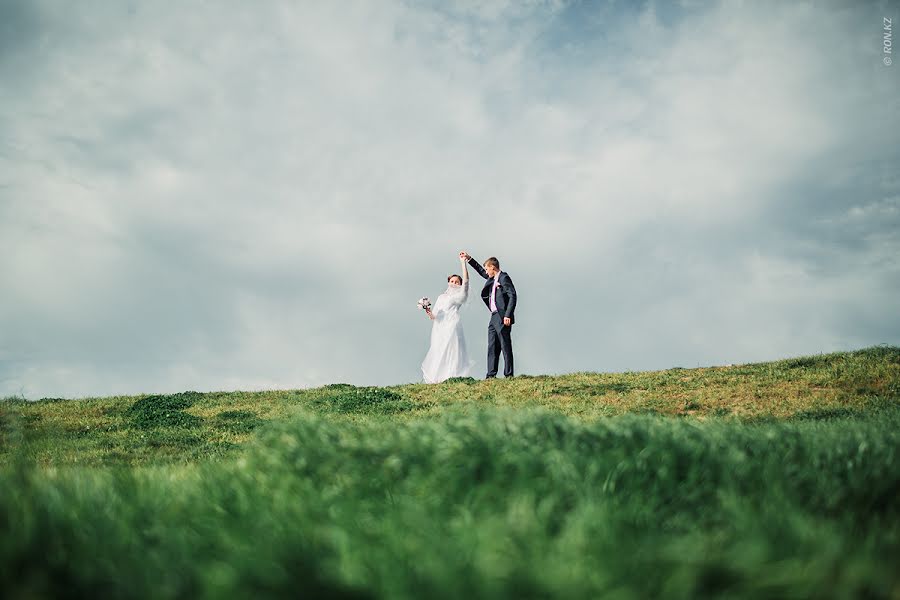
(499, 340)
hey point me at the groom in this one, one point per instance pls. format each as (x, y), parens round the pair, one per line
(499, 295)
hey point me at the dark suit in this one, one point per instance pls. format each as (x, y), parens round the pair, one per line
(499, 335)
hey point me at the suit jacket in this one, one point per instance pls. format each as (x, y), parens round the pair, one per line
(506, 292)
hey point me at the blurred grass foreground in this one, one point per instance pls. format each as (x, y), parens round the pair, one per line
(777, 479)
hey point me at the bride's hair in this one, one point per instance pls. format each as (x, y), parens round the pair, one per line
(457, 276)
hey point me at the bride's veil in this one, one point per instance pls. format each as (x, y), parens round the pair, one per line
(456, 294)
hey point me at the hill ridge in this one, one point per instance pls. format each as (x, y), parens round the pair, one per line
(188, 426)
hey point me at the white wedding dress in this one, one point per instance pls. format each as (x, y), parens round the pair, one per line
(447, 357)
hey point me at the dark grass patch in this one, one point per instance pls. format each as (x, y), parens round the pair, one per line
(298, 395)
(16, 424)
(880, 404)
(175, 418)
(167, 437)
(647, 410)
(871, 390)
(826, 414)
(603, 388)
(165, 411)
(178, 401)
(764, 419)
(117, 456)
(598, 389)
(365, 400)
(339, 386)
(213, 450)
(93, 427)
(805, 362)
(466, 380)
(84, 431)
(116, 410)
(238, 421)
(691, 405)
(885, 353)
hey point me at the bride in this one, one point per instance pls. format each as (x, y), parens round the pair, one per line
(447, 357)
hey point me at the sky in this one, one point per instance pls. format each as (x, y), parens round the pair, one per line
(253, 195)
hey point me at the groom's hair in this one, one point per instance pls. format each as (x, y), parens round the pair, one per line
(492, 261)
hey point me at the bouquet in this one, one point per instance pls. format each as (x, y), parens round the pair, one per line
(424, 303)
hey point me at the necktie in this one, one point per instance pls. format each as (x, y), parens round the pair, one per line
(494, 293)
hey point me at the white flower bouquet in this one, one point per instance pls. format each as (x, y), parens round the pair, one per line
(424, 303)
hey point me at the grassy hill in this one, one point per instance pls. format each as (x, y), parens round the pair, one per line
(759, 480)
(135, 430)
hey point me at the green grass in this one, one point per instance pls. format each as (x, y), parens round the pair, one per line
(762, 480)
(130, 430)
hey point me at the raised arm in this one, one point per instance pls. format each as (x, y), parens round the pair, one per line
(465, 276)
(478, 268)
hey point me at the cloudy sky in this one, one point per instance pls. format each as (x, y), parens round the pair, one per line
(252, 195)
